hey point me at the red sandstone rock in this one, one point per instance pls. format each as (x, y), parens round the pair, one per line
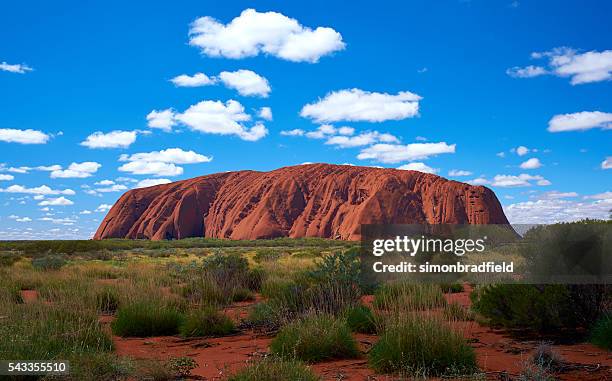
(315, 200)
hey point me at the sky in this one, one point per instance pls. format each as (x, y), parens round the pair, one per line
(100, 97)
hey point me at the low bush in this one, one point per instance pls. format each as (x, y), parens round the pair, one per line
(407, 296)
(99, 366)
(272, 369)
(242, 295)
(315, 338)
(601, 335)
(455, 311)
(266, 255)
(422, 347)
(48, 262)
(266, 316)
(145, 319)
(181, 367)
(8, 259)
(107, 300)
(361, 319)
(206, 322)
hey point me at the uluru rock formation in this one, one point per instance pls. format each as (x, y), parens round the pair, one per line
(314, 200)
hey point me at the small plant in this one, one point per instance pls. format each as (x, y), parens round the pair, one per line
(107, 300)
(266, 255)
(145, 319)
(266, 316)
(315, 338)
(8, 259)
(242, 295)
(601, 335)
(48, 262)
(535, 372)
(275, 369)
(451, 287)
(182, 366)
(361, 319)
(455, 311)
(546, 357)
(206, 322)
(422, 347)
(409, 297)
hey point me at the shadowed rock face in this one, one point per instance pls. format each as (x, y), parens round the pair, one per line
(316, 200)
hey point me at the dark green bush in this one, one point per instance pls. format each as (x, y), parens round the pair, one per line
(271, 369)
(266, 255)
(242, 295)
(601, 335)
(422, 347)
(206, 322)
(145, 319)
(361, 319)
(266, 316)
(8, 259)
(48, 262)
(315, 338)
(107, 300)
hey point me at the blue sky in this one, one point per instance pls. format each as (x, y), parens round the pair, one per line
(92, 101)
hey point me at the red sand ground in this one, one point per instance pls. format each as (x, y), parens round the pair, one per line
(498, 354)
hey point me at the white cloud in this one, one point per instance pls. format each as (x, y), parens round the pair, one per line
(15, 68)
(216, 117)
(599, 196)
(418, 166)
(547, 211)
(269, 33)
(59, 221)
(607, 164)
(163, 119)
(294, 132)
(85, 211)
(113, 139)
(59, 201)
(23, 219)
(246, 82)
(170, 155)
(580, 121)
(105, 182)
(362, 139)
(532, 163)
(459, 172)
(359, 105)
(196, 80)
(522, 180)
(521, 150)
(346, 131)
(265, 113)
(558, 195)
(103, 208)
(29, 136)
(479, 181)
(394, 153)
(43, 190)
(77, 170)
(501, 154)
(4, 177)
(582, 68)
(526, 72)
(151, 182)
(151, 168)
(112, 188)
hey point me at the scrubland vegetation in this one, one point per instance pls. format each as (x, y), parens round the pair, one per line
(306, 295)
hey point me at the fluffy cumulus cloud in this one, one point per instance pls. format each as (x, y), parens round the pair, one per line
(29, 136)
(161, 163)
(360, 105)
(77, 170)
(581, 68)
(151, 182)
(40, 190)
(162, 119)
(15, 68)
(294, 132)
(580, 121)
(58, 201)
(607, 163)
(265, 113)
(418, 166)
(522, 180)
(459, 173)
(246, 82)
(395, 153)
(533, 163)
(521, 150)
(561, 209)
(269, 33)
(5, 177)
(196, 80)
(113, 139)
(363, 139)
(102, 208)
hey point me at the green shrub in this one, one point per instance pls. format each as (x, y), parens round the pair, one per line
(8, 259)
(266, 255)
(601, 335)
(361, 319)
(242, 295)
(206, 322)
(107, 300)
(271, 369)
(48, 262)
(455, 311)
(100, 366)
(422, 347)
(266, 316)
(181, 366)
(145, 319)
(315, 338)
(407, 296)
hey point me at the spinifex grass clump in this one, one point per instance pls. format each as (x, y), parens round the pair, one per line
(419, 346)
(272, 369)
(361, 319)
(315, 338)
(601, 335)
(455, 311)
(402, 296)
(107, 300)
(206, 322)
(145, 319)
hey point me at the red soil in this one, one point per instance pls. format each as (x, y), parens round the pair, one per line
(317, 200)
